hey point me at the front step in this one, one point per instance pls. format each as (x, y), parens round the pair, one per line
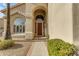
(40, 38)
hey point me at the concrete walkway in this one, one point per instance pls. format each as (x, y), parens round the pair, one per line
(38, 49)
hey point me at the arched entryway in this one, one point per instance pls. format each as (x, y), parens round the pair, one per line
(40, 23)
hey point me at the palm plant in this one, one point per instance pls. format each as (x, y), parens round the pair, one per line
(8, 32)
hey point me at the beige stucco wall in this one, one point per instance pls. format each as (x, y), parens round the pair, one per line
(76, 23)
(29, 28)
(60, 24)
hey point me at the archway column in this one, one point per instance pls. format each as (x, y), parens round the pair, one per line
(28, 29)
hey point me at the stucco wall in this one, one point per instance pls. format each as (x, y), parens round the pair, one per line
(76, 23)
(60, 23)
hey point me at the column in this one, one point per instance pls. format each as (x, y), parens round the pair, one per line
(60, 22)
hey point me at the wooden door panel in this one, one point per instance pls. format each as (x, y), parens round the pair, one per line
(39, 28)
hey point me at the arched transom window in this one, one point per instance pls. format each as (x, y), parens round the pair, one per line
(19, 25)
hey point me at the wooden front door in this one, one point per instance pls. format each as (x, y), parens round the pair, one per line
(39, 31)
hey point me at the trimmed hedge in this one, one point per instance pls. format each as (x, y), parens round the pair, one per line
(4, 44)
(57, 47)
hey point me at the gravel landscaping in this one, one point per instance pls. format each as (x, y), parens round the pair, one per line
(19, 49)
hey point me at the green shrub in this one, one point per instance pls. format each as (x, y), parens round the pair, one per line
(4, 44)
(57, 47)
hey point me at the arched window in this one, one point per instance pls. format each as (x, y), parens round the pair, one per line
(19, 25)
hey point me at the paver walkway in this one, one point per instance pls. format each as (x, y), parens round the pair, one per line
(38, 49)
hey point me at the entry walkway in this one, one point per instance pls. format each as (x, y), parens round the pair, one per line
(38, 49)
